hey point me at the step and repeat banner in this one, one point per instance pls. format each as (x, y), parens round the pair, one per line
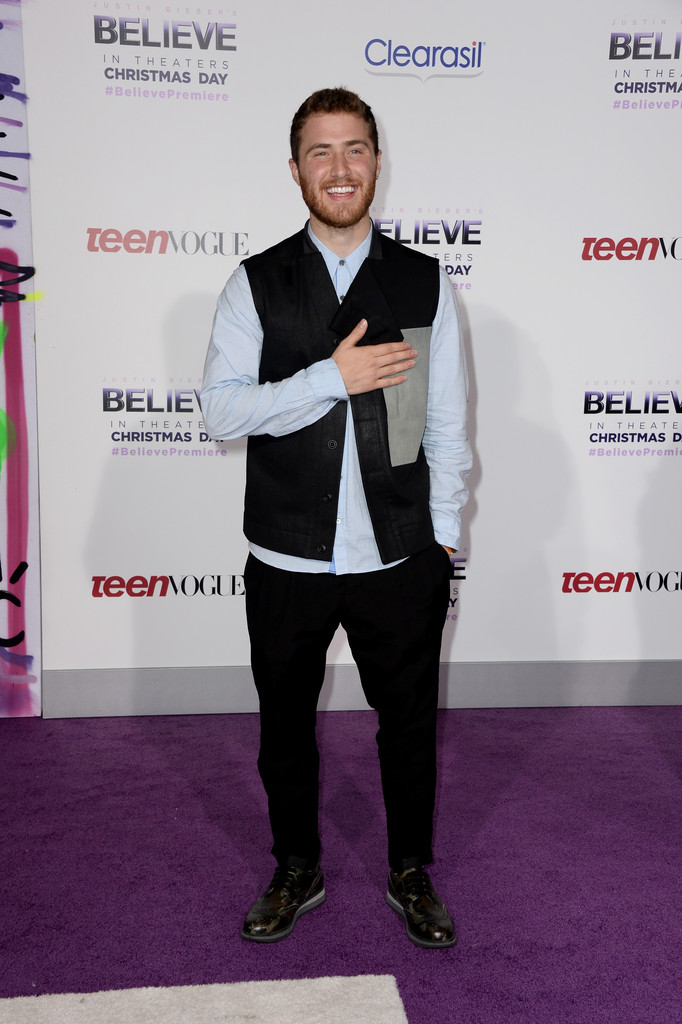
(536, 157)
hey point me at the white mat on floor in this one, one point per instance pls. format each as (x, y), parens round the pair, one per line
(368, 999)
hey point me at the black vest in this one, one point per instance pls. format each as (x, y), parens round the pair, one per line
(292, 482)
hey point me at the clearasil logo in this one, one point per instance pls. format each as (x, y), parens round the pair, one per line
(397, 58)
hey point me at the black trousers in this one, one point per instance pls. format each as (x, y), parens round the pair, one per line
(394, 622)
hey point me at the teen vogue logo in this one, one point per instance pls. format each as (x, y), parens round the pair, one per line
(209, 585)
(622, 582)
(161, 242)
(632, 248)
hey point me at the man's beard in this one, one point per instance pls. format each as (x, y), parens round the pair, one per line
(341, 215)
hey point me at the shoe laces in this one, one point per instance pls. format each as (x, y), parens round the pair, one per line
(287, 879)
(415, 883)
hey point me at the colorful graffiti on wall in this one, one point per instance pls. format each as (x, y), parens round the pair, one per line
(19, 693)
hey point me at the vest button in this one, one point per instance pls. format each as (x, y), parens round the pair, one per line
(321, 548)
(332, 444)
(326, 497)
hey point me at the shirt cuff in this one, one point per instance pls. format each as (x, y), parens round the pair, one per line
(326, 381)
(446, 532)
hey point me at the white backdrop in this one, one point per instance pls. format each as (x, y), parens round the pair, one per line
(159, 138)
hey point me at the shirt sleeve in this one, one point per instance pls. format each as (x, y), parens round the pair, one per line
(446, 444)
(233, 403)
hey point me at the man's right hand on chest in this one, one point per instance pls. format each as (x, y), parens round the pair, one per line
(370, 367)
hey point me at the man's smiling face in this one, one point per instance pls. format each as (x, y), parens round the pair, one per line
(337, 169)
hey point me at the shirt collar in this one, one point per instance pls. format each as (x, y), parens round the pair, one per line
(354, 260)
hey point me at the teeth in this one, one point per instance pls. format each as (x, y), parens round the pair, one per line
(341, 189)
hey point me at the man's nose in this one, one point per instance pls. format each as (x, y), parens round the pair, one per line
(339, 165)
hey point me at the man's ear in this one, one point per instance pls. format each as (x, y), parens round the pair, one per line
(293, 167)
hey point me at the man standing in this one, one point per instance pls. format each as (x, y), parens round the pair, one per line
(338, 353)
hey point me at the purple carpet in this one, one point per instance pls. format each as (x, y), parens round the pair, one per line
(131, 849)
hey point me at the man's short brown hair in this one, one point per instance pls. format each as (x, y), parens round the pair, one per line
(332, 101)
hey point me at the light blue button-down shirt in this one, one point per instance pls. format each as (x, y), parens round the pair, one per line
(235, 405)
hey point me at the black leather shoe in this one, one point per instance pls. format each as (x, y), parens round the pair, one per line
(427, 922)
(292, 892)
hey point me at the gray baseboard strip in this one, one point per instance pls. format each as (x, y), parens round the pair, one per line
(96, 693)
